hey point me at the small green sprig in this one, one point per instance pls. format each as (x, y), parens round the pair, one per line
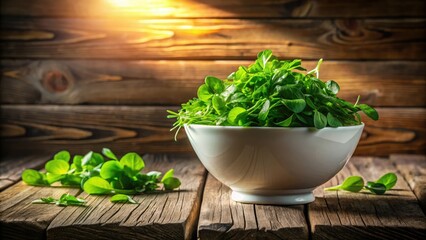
(122, 198)
(65, 200)
(356, 184)
(101, 174)
(270, 93)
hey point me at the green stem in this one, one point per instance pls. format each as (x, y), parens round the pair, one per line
(334, 188)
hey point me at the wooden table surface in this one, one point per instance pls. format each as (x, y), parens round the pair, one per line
(202, 207)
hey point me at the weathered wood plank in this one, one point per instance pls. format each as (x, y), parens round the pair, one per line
(80, 129)
(382, 83)
(413, 169)
(146, 129)
(222, 218)
(398, 130)
(170, 215)
(398, 39)
(11, 167)
(20, 219)
(362, 215)
(211, 8)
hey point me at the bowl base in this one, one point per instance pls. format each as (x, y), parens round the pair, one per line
(284, 199)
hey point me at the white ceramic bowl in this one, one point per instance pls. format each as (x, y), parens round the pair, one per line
(266, 165)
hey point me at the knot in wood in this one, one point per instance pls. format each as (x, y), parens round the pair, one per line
(55, 81)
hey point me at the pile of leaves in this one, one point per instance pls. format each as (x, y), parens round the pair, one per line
(271, 93)
(99, 174)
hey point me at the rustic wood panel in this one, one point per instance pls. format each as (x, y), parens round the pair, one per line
(11, 167)
(344, 215)
(170, 215)
(413, 169)
(84, 128)
(382, 83)
(146, 130)
(398, 39)
(398, 130)
(222, 218)
(212, 8)
(20, 219)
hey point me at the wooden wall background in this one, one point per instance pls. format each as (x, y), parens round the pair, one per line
(82, 75)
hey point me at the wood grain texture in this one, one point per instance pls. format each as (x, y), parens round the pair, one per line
(222, 218)
(20, 219)
(345, 215)
(146, 130)
(169, 215)
(413, 169)
(380, 83)
(397, 39)
(398, 130)
(80, 129)
(212, 8)
(11, 167)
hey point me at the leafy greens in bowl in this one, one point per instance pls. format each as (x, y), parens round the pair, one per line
(271, 93)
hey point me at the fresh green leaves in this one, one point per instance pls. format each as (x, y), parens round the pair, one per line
(389, 180)
(271, 93)
(97, 185)
(122, 198)
(351, 184)
(132, 163)
(376, 188)
(356, 184)
(65, 200)
(34, 178)
(95, 175)
(57, 167)
(169, 181)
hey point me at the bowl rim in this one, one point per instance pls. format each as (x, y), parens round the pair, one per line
(276, 128)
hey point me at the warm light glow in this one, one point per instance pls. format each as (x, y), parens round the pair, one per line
(121, 3)
(148, 7)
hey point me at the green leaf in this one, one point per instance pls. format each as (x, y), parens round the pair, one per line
(122, 198)
(51, 177)
(86, 159)
(71, 180)
(65, 200)
(351, 184)
(132, 162)
(70, 200)
(97, 185)
(108, 153)
(295, 105)
(111, 169)
(168, 174)
(236, 114)
(369, 111)
(320, 120)
(389, 180)
(62, 155)
(218, 104)
(171, 183)
(376, 188)
(333, 86)
(215, 84)
(34, 178)
(263, 114)
(264, 57)
(332, 121)
(58, 167)
(46, 200)
(286, 122)
(77, 161)
(204, 93)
